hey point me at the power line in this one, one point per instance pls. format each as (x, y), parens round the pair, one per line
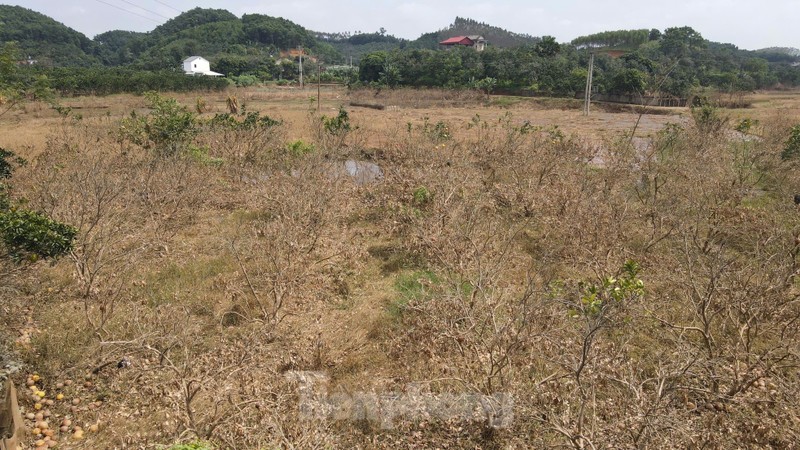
(128, 11)
(145, 9)
(168, 6)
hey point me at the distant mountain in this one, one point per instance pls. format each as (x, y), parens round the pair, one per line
(45, 40)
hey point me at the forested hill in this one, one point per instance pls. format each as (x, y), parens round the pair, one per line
(43, 39)
(213, 33)
(495, 36)
(358, 44)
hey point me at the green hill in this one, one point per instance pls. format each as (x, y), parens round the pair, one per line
(495, 36)
(45, 40)
(361, 44)
(214, 34)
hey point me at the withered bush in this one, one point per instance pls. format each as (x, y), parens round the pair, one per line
(626, 292)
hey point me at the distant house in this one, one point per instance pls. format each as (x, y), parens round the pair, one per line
(27, 62)
(197, 65)
(476, 42)
(293, 54)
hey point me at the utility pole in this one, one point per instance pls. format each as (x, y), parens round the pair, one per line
(301, 67)
(588, 94)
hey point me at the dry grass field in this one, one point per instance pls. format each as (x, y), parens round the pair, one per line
(629, 280)
(31, 126)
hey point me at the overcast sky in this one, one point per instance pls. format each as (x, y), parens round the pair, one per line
(746, 24)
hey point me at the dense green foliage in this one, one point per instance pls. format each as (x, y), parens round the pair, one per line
(43, 39)
(791, 149)
(27, 235)
(31, 235)
(115, 80)
(17, 85)
(217, 35)
(621, 39)
(251, 45)
(677, 62)
(167, 130)
(113, 47)
(193, 18)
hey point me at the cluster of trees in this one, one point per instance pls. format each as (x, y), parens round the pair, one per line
(675, 62)
(20, 82)
(116, 80)
(620, 39)
(44, 39)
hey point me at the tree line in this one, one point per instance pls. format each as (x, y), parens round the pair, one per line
(676, 62)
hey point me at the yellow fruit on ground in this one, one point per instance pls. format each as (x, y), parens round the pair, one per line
(60, 397)
(41, 394)
(94, 427)
(77, 435)
(35, 378)
(37, 406)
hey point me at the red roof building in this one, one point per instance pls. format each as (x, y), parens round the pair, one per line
(478, 42)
